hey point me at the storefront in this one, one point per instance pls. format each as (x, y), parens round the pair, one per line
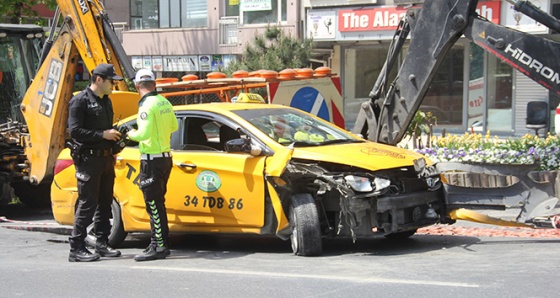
(472, 90)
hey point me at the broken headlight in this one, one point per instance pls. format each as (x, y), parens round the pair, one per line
(419, 165)
(357, 183)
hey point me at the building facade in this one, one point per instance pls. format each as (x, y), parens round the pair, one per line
(197, 36)
(472, 91)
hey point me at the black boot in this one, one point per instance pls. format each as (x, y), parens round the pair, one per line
(82, 255)
(167, 250)
(151, 253)
(105, 250)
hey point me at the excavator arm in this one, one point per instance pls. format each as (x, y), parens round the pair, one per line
(434, 29)
(86, 32)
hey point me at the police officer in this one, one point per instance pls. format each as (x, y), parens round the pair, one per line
(156, 121)
(90, 125)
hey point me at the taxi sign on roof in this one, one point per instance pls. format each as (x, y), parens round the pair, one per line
(248, 98)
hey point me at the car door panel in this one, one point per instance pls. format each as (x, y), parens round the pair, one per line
(216, 188)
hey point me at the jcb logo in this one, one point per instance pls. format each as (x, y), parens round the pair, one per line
(83, 6)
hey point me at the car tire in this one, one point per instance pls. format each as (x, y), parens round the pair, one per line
(401, 235)
(117, 233)
(305, 227)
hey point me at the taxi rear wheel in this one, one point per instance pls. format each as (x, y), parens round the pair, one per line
(117, 233)
(304, 223)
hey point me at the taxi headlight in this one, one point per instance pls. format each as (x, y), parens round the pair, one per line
(381, 183)
(419, 164)
(357, 183)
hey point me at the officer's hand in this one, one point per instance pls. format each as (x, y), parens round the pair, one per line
(128, 132)
(111, 134)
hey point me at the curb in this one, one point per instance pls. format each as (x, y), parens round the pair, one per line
(55, 230)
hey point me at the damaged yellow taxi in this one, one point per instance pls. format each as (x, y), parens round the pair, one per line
(271, 170)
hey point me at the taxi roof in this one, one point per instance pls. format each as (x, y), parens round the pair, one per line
(227, 106)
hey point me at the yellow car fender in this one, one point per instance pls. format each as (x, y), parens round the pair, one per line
(275, 166)
(278, 210)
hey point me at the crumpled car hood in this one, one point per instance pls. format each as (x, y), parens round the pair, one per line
(367, 155)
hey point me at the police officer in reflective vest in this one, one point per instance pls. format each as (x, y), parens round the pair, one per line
(156, 121)
(90, 123)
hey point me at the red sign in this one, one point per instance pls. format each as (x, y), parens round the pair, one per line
(490, 10)
(375, 19)
(387, 18)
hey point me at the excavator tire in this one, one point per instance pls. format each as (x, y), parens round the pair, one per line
(33, 196)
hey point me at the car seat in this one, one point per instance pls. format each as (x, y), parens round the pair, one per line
(194, 134)
(537, 116)
(227, 133)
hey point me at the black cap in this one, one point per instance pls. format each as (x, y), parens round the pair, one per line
(106, 70)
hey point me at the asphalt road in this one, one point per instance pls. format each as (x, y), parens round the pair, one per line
(34, 262)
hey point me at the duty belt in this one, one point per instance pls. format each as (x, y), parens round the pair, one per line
(98, 152)
(157, 155)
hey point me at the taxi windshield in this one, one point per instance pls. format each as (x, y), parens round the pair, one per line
(287, 126)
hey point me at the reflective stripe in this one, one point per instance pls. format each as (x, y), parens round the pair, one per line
(152, 156)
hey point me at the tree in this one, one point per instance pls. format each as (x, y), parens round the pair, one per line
(274, 50)
(15, 10)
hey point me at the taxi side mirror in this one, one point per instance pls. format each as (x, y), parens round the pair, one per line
(243, 145)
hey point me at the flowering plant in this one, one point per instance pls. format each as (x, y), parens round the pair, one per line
(476, 148)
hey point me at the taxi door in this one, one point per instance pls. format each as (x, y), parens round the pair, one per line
(210, 187)
(216, 188)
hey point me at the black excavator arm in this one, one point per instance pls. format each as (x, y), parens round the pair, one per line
(434, 29)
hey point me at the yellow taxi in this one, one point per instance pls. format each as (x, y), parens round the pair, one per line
(271, 170)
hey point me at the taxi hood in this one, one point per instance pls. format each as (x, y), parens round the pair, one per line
(367, 155)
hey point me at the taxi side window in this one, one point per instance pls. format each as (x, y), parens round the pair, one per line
(206, 134)
(198, 134)
(176, 136)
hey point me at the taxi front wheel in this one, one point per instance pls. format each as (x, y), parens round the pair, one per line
(117, 233)
(304, 223)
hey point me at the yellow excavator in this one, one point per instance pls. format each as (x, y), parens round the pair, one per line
(32, 137)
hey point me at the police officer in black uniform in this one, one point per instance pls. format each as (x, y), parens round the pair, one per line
(93, 146)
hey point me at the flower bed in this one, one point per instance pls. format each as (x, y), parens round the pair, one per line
(476, 148)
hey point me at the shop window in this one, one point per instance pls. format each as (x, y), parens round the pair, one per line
(194, 13)
(359, 77)
(143, 14)
(444, 98)
(499, 93)
(231, 8)
(146, 14)
(476, 96)
(257, 12)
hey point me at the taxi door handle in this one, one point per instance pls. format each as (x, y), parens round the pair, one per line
(190, 166)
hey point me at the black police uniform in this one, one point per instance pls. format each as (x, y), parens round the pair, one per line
(89, 115)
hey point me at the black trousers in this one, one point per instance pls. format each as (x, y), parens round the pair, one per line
(96, 178)
(154, 174)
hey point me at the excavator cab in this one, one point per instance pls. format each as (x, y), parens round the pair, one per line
(20, 47)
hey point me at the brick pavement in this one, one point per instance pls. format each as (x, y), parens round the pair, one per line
(480, 230)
